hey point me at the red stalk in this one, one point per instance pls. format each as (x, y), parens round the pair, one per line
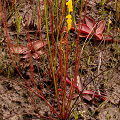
(28, 84)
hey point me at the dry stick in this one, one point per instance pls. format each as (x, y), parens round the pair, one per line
(99, 65)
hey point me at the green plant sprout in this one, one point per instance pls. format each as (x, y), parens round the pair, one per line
(109, 111)
(109, 22)
(106, 80)
(75, 115)
(18, 24)
(102, 10)
(117, 112)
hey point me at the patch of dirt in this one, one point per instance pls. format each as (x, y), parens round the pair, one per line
(15, 103)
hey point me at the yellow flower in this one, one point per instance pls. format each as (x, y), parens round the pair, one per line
(69, 21)
(70, 7)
